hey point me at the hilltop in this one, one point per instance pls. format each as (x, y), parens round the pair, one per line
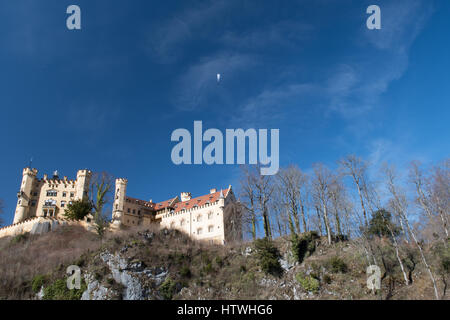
(166, 264)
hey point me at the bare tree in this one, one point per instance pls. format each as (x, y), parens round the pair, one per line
(233, 213)
(280, 212)
(286, 192)
(429, 197)
(399, 204)
(249, 201)
(292, 183)
(264, 189)
(337, 193)
(440, 193)
(321, 184)
(257, 191)
(356, 168)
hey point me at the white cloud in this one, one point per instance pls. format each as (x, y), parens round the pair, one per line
(194, 87)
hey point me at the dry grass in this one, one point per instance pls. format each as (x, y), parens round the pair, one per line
(21, 260)
(207, 271)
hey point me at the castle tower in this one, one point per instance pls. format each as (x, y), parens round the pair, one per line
(185, 196)
(82, 184)
(119, 201)
(24, 195)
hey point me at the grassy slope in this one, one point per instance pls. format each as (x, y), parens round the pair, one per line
(204, 271)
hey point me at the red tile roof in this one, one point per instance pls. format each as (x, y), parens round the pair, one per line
(178, 205)
(143, 203)
(165, 204)
(199, 201)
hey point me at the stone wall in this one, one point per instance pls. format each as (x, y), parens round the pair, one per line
(38, 225)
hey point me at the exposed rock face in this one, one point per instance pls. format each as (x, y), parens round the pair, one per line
(46, 226)
(40, 294)
(138, 281)
(95, 291)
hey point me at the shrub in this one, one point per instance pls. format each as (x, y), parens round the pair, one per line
(185, 272)
(307, 282)
(81, 261)
(20, 238)
(443, 255)
(268, 256)
(78, 209)
(381, 225)
(337, 265)
(208, 268)
(219, 261)
(327, 279)
(178, 257)
(304, 245)
(37, 282)
(58, 291)
(168, 289)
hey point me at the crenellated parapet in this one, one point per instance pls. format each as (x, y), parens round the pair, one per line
(49, 196)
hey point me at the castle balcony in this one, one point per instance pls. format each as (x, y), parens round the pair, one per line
(49, 210)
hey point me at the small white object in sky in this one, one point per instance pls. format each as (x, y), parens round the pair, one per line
(218, 77)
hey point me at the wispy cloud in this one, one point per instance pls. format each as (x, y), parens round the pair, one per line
(194, 87)
(402, 21)
(283, 34)
(168, 36)
(352, 86)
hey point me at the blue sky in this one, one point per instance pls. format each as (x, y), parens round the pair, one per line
(108, 97)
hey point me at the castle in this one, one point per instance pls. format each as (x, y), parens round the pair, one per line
(43, 201)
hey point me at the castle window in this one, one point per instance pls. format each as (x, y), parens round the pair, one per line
(50, 203)
(210, 228)
(63, 204)
(210, 215)
(72, 194)
(182, 222)
(199, 218)
(33, 203)
(52, 193)
(128, 210)
(199, 231)
(64, 194)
